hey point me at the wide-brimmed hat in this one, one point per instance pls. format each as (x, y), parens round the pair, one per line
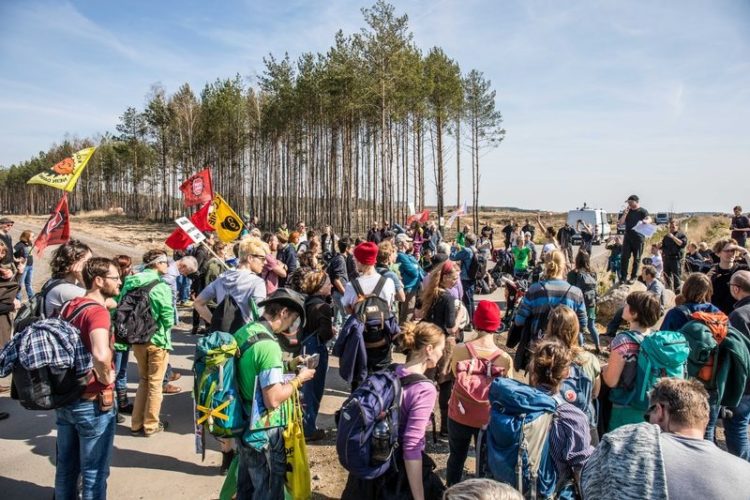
(289, 298)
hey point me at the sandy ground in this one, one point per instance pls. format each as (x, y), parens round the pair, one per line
(166, 465)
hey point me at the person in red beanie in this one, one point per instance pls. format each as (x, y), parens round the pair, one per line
(365, 257)
(481, 349)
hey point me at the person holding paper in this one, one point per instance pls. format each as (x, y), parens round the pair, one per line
(632, 245)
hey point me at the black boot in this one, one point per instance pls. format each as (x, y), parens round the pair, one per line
(123, 406)
(226, 461)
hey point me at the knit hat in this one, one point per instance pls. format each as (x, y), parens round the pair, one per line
(366, 253)
(487, 316)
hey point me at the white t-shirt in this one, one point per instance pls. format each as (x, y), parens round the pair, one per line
(368, 283)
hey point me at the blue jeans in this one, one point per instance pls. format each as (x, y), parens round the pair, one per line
(183, 288)
(339, 313)
(121, 366)
(591, 326)
(312, 391)
(468, 297)
(84, 448)
(736, 429)
(260, 474)
(25, 282)
(713, 417)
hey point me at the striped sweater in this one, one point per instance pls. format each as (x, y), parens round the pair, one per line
(544, 294)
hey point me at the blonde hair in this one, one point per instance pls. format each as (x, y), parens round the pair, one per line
(417, 336)
(250, 245)
(431, 287)
(555, 264)
(562, 325)
(385, 252)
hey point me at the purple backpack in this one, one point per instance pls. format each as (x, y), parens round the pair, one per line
(375, 403)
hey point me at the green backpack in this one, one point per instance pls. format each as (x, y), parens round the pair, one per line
(662, 354)
(218, 405)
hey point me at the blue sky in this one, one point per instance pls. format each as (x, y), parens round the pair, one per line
(600, 99)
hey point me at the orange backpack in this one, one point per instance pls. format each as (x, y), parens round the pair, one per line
(703, 345)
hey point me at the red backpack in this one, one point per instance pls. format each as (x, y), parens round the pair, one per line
(469, 403)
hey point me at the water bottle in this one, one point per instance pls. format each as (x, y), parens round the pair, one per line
(381, 441)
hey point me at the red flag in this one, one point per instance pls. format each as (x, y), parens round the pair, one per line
(200, 218)
(179, 240)
(198, 188)
(57, 228)
(421, 217)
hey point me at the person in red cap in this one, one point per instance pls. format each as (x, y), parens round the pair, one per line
(486, 320)
(365, 257)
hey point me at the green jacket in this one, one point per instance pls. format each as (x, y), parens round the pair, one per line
(733, 366)
(162, 308)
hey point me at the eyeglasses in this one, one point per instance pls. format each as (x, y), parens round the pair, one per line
(116, 278)
(648, 413)
(258, 256)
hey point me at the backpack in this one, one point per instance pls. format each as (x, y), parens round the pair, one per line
(372, 311)
(704, 333)
(33, 310)
(469, 403)
(218, 405)
(587, 283)
(517, 440)
(375, 403)
(477, 266)
(134, 323)
(662, 354)
(227, 317)
(577, 390)
(48, 388)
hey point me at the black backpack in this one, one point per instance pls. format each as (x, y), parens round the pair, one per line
(48, 387)
(372, 311)
(227, 317)
(477, 266)
(134, 323)
(33, 310)
(587, 283)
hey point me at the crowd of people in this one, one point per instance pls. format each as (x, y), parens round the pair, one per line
(292, 298)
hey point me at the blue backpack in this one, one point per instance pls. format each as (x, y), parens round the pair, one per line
(517, 440)
(218, 405)
(577, 390)
(662, 354)
(376, 402)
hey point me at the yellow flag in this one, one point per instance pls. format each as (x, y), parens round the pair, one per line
(65, 174)
(224, 220)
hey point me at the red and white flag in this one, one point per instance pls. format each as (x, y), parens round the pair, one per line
(198, 188)
(462, 210)
(422, 217)
(57, 228)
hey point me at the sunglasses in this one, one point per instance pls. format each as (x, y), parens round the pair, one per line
(648, 413)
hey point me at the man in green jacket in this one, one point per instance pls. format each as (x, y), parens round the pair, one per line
(266, 394)
(152, 357)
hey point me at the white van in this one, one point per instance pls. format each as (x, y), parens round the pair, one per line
(594, 217)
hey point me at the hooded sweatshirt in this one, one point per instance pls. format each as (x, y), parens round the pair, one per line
(628, 461)
(242, 284)
(161, 301)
